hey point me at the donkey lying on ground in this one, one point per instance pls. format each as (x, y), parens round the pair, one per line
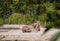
(32, 27)
(27, 28)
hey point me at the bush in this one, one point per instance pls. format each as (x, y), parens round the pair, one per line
(50, 24)
(57, 22)
(1, 21)
(16, 18)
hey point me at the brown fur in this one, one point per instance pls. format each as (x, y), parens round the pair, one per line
(27, 28)
(36, 26)
(32, 27)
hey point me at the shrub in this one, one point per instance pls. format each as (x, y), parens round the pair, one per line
(16, 18)
(57, 22)
(49, 25)
(1, 21)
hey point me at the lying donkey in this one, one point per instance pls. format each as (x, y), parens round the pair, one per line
(32, 27)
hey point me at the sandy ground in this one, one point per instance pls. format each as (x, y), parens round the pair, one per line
(17, 34)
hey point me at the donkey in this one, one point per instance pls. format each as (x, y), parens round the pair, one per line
(30, 28)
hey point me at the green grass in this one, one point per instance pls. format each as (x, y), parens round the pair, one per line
(55, 36)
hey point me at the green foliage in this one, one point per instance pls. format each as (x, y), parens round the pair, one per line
(1, 21)
(49, 26)
(57, 23)
(55, 36)
(16, 18)
(32, 10)
(5, 11)
(52, 16)
(49, 7)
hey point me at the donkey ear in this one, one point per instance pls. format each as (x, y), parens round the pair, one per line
(32, 24)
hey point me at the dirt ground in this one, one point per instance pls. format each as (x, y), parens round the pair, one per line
(7, 32)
